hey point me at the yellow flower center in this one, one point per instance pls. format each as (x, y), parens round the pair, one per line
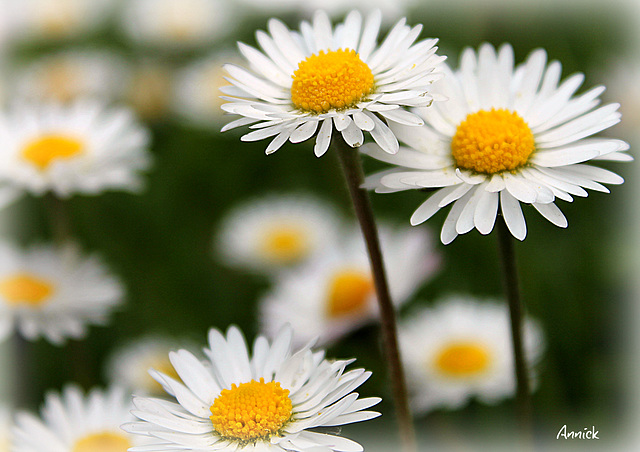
(493, 141)
(332, 79)
(251, 411)
(462, 359)
(42, 151)
(285, 244)
(349, 292)
(23, 288)
(103, 442)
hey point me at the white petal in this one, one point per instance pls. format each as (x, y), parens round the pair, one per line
(486, 211)
(353, 136)
(304, 131)
(552, 213)
(513, 216)
(324, 138)
(383, 135)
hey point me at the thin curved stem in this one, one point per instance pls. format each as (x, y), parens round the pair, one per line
(352, 169)
(512, 290)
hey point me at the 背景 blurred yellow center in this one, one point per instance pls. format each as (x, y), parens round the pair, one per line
(103, 442)
(285, 244)
(463, 359)
(330, 79)
(42, 151)
(492, 141)
(349, 292)
(251, 411)
(24, 288)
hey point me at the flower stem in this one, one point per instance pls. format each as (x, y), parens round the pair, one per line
(58, 219)
(512, 289)
(352, 169)
(22, 370)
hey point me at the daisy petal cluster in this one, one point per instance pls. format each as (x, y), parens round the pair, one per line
(84, 147)
(308, 82)
(461, 349)
(73, 421)
(333, 293)
(276, 232)
(270, 401)
(53, 292)
(507, 135)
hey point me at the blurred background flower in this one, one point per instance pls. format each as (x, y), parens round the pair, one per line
(163, 64)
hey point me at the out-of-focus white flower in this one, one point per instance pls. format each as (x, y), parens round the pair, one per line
(84, 147)
(461, 349)
(75, 422)
(333, 293)
(196, 93)
(129, 365)
(54, 292)
(176, 23)
(277, 231)
(71, 75)
(58, 19)
(6, 423)
(150, 89)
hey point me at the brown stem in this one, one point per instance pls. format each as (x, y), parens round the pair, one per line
(512, 290)
(352, 168)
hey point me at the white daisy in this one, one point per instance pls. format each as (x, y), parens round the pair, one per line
(320, 78)
(150, 88)
(460, 349)
(276, 231)
(129, 365)
(176, 23)
(267, 402)
(53, 292)
(73, 422)
(197, 90)
(505, 136)
(83, 147)
(333, 294)
(71, 74)
(58, 19)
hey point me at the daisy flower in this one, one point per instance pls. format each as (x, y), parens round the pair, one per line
(83, 147)
(320, 78)
(129, 365)
(71, 74)
(58, 19)
(460, 349)
(276, 231)
(175, 23)
(73, 422)
(333, 293)
(270, 401)
(197, 91)
(505, 136)
(53, 292)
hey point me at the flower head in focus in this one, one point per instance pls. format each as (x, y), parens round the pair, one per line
(54, 292)
(333, 293)
(321, 78)
(84, 147)
(75, 422)
(506, 136)
(269, 401)
(461, 349)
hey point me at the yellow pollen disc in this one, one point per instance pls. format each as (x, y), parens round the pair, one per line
(463, 359)
(44, 150)
(251, 411)
(349, 293)
(285, 244)
(27, 289)
(103, 442)
(332, 79)
(493, 141)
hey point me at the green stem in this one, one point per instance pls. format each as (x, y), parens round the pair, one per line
(22, 370)
(352, 168)
(512, 290)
